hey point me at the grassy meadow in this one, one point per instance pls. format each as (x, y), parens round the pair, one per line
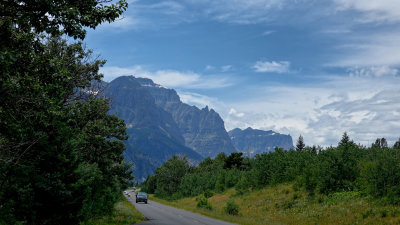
(284, 204)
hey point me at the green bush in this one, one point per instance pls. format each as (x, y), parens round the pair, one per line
(231, 208)
(202, 202)
(208, 194)
(243, 185)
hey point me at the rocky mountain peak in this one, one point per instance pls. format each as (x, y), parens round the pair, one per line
(202, 129)
(259, 141)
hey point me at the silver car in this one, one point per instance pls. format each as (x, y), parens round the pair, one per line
(141, 197)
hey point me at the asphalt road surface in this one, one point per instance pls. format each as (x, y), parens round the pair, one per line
(159, 214)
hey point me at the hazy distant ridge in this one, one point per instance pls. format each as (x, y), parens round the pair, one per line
(259, 141)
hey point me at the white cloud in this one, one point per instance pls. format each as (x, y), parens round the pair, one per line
(373, 71)
(112, 72)
(378, 10)
(366, 119)
(199, 100)
(276, 67)
(239, 11)
(226, 68)
(169, 78)
(366, 107)
(268, 32)
(233, 112)
(144, 15)
(209, 67)
(372, 49)
(123, 23)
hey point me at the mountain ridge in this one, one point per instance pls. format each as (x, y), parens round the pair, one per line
(203, 129)
(153, 135)
(258, 141)
(160, 125)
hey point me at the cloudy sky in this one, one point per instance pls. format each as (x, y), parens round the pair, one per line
(310, 67)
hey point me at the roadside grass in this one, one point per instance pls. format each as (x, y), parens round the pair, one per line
(125, 214)
(284, 204)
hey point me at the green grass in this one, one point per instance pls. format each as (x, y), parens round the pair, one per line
(283, 204)
(125, 214)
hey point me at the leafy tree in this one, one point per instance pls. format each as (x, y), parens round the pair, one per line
(170, 175)
(220, 184)
(150, 184)
(380, 177)
(61, 155)
(234, 160)
(220, 159)
(380, 143)
(347, 167)
(206, 165)
(300, 144)
(244, 183)
(59, 16)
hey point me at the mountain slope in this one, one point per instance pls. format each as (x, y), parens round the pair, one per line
(203, 130)
(153, 134)
(259, 141)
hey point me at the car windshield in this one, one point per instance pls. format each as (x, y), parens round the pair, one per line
(142, 194)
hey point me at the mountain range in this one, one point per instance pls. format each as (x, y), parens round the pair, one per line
(202, 129)
(160, 125)
(252, 141)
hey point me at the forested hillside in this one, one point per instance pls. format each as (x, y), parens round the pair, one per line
(61, 153)
(370, 171)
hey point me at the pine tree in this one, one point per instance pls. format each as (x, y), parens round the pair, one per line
(300, 144)
(345, 139)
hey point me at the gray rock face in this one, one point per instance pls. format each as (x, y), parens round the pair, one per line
(203, 129)
(137, 107)
(259, 141)
(153, 134)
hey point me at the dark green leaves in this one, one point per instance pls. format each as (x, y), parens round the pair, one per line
(61, 16)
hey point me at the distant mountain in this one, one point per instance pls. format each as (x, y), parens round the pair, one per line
(160, 125)
(153, 134)
(202, 129)
(259, 141)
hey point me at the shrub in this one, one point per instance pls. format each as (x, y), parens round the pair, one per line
(384, 213)
(231, 208)
(243, 185)
(368, 213)
(202, 202)
(208, 194)
(295, 196)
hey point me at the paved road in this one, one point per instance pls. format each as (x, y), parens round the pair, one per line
(159, 214)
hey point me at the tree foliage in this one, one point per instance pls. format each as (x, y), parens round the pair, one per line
(348, 167)
(60, 16)
(300, 144)
(60, 151)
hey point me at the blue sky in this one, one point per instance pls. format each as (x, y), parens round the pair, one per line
(315, 68)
